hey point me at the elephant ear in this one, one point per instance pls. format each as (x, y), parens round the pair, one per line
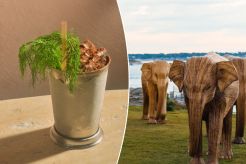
(147, 71)
(226, 74)
(176, 73)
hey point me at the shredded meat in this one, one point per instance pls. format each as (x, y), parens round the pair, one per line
(92, 58)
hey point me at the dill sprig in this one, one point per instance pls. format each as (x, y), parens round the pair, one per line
(45, 52)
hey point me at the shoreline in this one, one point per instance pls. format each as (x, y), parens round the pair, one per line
(136, 97)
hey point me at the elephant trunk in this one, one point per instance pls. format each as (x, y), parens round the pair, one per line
(195, 126)
(162, 100)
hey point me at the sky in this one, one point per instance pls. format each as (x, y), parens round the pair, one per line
(172, 26)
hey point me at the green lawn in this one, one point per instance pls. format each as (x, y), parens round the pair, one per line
(164, 144)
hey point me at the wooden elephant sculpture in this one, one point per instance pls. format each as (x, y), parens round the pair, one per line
(210, 85)
(240, 65)
(154, 85)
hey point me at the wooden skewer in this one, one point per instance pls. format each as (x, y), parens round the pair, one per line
(64, 46)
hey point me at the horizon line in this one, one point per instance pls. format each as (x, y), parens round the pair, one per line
(186, 52)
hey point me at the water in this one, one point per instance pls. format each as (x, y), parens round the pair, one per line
(177, 56)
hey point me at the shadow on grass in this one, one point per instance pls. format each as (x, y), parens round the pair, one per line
(27, 147)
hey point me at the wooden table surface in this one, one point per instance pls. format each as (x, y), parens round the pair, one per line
(25, 125)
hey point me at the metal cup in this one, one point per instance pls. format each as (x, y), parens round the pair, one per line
(77, 114)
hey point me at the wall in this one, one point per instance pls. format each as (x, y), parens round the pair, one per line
(22, 21)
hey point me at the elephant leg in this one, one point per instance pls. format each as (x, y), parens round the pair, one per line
(152, 103)
(214, 135)
(226, 149)
(145, 103)
(197, 161)
(240, 121)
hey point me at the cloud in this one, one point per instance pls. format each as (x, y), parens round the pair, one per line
(220, 41)
(142, 10)
(178, 18)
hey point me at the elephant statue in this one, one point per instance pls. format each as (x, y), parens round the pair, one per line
(154, 85)
(240, 65)
(210, 85)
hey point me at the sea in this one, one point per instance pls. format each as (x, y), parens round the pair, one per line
(136, 61)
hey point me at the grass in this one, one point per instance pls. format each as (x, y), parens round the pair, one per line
(164, 144)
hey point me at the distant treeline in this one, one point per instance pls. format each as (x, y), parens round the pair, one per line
(176, 56)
